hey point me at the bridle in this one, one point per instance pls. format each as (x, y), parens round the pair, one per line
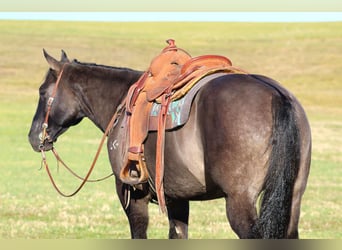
(44, 136)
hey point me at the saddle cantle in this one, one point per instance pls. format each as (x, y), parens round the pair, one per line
(170, 76)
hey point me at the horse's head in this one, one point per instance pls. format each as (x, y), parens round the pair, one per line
(60, 100)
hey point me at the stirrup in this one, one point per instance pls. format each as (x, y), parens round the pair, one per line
(134, 172)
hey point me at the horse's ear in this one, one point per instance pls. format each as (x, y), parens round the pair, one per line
(54, 64)
(64, 57)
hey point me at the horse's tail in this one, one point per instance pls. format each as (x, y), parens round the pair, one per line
(275, 210)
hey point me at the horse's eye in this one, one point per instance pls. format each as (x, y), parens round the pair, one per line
(42, 91)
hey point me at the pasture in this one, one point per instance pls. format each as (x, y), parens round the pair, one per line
(303, 57)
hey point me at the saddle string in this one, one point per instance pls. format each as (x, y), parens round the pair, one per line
(160, 152)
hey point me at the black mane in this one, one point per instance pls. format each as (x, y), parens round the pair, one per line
(103, 66)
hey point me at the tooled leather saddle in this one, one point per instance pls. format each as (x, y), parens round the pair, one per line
(170, 76)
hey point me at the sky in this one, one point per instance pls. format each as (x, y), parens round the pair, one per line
(177, 16)
(175, 10)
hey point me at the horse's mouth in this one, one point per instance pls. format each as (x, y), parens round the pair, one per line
(45, 146)
(48, 140)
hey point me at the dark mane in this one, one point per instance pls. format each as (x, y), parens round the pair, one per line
(102, 66)
(107, 74)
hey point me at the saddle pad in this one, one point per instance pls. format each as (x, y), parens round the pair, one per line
(179, 110)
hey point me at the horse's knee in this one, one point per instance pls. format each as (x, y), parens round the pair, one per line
(135, 204)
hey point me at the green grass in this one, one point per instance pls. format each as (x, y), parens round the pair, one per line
(305, 58)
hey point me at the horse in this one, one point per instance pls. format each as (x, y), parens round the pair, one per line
(247, 139)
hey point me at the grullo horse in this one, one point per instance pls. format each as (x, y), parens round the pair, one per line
(246, 137)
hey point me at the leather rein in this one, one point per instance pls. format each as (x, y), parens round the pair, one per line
(45, 136)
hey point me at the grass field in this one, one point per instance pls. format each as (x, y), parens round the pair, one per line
(305, 58)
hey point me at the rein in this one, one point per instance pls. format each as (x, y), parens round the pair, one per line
(44, 136)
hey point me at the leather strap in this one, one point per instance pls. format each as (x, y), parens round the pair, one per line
(160, 151)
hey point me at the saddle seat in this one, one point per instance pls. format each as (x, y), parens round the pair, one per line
(169, 77)
(194, 67)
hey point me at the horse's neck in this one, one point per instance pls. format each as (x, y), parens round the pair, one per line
(104, 92)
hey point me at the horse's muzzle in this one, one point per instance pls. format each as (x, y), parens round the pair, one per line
(37, 145)
(45, 146)
(46, 143)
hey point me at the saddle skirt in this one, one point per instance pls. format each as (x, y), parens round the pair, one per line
(179, 109)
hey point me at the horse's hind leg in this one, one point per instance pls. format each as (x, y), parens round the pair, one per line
(292, 231)
(242, 215)
(299, 188)
(137, 210)
(178, 213)
(302, 177)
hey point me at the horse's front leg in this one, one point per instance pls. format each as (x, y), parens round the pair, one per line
(178, 214)
(137, 208)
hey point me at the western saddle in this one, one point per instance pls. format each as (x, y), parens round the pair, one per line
(169, 77)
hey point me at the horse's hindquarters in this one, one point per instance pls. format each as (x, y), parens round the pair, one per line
(235, 116)
(224, 147)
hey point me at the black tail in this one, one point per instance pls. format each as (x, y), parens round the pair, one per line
(275, 210)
